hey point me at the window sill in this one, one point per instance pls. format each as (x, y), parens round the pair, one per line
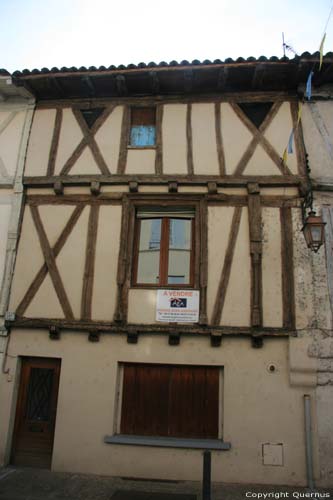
(141, 147)
(168, 442)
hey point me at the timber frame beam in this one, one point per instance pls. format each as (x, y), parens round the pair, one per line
(255, 222)
(153, 180)
(116, 328)
(282, 201)
(178, 98)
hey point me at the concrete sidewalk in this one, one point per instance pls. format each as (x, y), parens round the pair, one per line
(39, 484)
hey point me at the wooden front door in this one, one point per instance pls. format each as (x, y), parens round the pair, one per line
(36, 412)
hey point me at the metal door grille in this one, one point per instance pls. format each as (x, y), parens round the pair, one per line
(39, 394)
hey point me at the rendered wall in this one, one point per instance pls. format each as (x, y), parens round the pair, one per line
(259, 407)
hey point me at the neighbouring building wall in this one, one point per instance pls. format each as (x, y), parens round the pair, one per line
(15, 119)
(318, 135)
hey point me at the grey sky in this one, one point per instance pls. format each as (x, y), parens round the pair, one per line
(39, 33)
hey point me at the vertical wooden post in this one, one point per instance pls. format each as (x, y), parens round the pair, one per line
(89, 270)
(203, 261)
(122, 260)
(219, 143)
(55, 142)
(287, 256)
(125, 130)
(254, 205)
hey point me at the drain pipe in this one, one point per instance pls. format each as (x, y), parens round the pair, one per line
(308, 441)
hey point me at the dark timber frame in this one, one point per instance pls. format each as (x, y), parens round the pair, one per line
(254, 205)
(87, 140)
(254, 200)
(105, 176)
(259, 138)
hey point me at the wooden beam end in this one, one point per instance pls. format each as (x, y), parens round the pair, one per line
(174, 338)
(54, 333)
(133, 187)
(132, 337)
(215, 340)
(173, 187)
(58, 188)
(212, 187)
(95, 188)
(94, 336)
(253, 188)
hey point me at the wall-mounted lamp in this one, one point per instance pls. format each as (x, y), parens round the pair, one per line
(313, 230)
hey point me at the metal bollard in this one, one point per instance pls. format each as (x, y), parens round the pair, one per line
(206, 475)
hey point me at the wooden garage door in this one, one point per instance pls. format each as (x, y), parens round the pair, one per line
(36, 412)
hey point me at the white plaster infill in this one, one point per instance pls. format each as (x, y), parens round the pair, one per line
(168, 442)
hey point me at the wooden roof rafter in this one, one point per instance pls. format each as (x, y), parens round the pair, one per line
(121, 85)
(188, 80)
(258, 76)
(222, 78)
(155, 82)
(88, 81)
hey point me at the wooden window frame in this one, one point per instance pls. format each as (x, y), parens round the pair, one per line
(129, 145)
(164, 250)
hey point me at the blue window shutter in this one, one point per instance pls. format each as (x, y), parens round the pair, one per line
(143, 135)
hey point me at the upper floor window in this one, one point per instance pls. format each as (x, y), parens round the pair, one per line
(164, 246)
(143, 127)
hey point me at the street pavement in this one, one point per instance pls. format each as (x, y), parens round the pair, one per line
(40, 484)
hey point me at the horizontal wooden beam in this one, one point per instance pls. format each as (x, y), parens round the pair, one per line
(188, 180)
(177, 98)
(75, 199)
(163, 329)
(116, 199)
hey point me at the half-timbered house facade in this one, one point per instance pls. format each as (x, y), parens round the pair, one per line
(145, 186)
